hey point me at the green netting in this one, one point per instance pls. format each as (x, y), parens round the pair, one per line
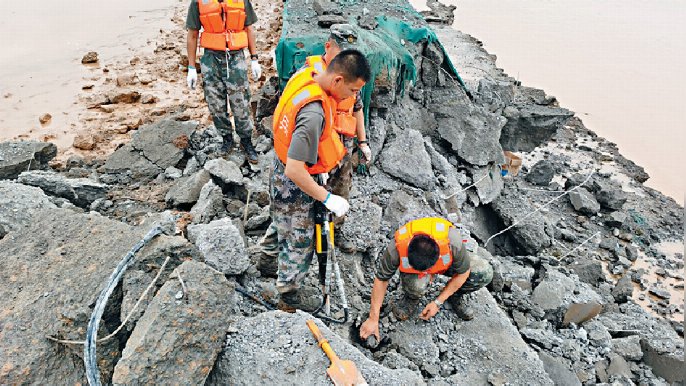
(390, 47)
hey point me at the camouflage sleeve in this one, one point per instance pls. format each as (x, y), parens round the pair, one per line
(250, 16)
(193, 18)
(388, 263)
(461, 254)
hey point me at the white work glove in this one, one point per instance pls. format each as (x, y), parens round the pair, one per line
(367, 152)
(192, 78)
(256, 69)
(337, 204)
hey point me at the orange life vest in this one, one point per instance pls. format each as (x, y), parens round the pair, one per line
(300, 90)
(346, 123)
(223, 24)
(434, 227)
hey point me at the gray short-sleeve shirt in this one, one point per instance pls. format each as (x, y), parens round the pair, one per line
(309, 124)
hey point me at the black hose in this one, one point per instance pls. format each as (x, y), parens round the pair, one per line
(89, 349)
(255, 298)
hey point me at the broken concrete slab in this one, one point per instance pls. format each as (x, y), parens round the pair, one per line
(226, 171)
(79, 191)
(179, 336)
(222, 245)
(362, 221)
(19, 203)
(558, 370)
(629, 347)
(532, 235)
(164, 142)
(186, 190)
(17, 157)
(210, 204)
(529, 125)
(277, 348)
(56, 267)
(408, 149)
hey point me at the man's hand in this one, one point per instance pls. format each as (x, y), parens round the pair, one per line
(192, 78)
(367, 152)
(337, 204)
(370, 327)
(430, 311)
(256, 69)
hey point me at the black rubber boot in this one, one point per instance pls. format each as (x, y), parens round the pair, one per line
(306, 299)
(457, 302)
(250, 152)
(227, 145)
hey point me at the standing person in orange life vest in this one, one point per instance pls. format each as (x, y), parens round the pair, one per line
(349, 123)
(420, 249)
(306, 148)
(227, 30)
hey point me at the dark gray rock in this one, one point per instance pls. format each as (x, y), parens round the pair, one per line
(226, 171)
(408, 149)
(541, 173)
(583, 202)
(278, 348)
(610, 195)
(531, 235)
(128, 160)
(488, 188)
(56, 267)
(529, 126)
(186, 190)
(20, 203)
(363, 222)
(222, 245)
(403, 206)
(259, 221)
(558, 369)
(81, 192)
(589, 271)
(178, 340)
(623, 289)
(210, 204)
(17, 157)
(629, 347)
(615, 219)
(163, 143)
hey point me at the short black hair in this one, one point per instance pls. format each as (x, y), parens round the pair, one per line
(352, 65)
(422, 252)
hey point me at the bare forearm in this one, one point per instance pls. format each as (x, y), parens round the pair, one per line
(295, 170)
(378, 293)
(359, 120)
(453, 285)
(251, 40)
(192, 46)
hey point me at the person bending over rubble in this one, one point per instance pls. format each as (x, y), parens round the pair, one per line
(307, 148)
(423, 248)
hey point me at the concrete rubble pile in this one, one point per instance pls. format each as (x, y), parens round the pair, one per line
(555, 313)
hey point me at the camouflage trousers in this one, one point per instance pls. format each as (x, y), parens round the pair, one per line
(225, 75)
(340, 182)
(292, 212)
(481, 273)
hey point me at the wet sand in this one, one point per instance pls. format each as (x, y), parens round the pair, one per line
(40, 67)
(618, 64)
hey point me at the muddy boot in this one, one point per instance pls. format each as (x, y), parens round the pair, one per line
(249, 150)
(227, 145)
(306, 299)
(460, 308)
(405, 307)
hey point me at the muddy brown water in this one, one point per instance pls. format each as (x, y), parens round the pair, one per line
(42, 47)
(617, 63)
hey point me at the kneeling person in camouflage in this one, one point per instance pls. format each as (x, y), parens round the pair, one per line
(423, 248)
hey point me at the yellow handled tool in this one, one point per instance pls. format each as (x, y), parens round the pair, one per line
(341, 372)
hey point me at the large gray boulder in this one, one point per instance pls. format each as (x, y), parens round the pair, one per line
(226, 171)
(80, 191)
(541, 173)
(186, 190)
(530, 125)
(53, 270)
(406, 158)
(153, 148)
(561, 293)
(583, 202)
(179, 337)
(19, 203)
(222, 245)
(362, 223)
(210, 204)
(277, 348)
(17, 157)
(531, 235)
